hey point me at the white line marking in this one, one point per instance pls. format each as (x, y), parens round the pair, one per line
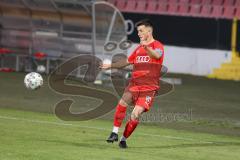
(98, 128)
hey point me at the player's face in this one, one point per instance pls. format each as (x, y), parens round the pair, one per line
(143, 32)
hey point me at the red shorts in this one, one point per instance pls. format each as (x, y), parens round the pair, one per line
(143, 98)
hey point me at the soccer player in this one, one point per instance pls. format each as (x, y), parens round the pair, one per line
(147, 60)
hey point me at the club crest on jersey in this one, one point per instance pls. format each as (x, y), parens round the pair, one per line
(142, 59)
(159, 51)
(148, 99)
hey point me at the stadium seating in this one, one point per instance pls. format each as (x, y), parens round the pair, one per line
(131, 6)
(228, 3)
(206, 2)
(198, 2)
(162, 8)
(195, 10)
(184, 8)
(151, 7)
(217, 11)
(112, 2)
(217, 2)
(184, 1)
(172, 8)
(227, 9)
(206, 10)
(237, 11)
(121, 4)
(171, 1)
(162, 1)
(237, 3)
(141, 6)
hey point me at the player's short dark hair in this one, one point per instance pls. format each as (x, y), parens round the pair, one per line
(145, 22)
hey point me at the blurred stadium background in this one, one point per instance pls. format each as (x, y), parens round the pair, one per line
(200, 116)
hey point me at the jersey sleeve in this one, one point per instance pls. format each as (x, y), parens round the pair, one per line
(132, 56)
(158, 47)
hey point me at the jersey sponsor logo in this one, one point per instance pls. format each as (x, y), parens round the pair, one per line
(142, 59)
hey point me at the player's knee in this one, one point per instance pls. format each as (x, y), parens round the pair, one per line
(135, 116)
(138, 110)
(122, 102)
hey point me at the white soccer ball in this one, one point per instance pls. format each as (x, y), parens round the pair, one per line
(33, 81)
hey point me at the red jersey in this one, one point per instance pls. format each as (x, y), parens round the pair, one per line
(146, 70)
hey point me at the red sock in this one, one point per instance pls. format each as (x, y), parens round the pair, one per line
(120, 114)
(130, 126)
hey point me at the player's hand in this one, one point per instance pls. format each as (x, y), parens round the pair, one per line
(143, 43)
(105, 66)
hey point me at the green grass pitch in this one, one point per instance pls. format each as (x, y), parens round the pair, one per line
(29, 130)
(40, 136)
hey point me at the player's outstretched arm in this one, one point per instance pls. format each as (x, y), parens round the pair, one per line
(119, 64)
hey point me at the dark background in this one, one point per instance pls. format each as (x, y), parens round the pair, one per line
(188, 31)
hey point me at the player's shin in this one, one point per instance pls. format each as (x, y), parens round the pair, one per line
(119, 116)
(130, 127)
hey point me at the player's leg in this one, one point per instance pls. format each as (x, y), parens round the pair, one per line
(121, 108)
(119, 115)
(142, 104)
(131, 125)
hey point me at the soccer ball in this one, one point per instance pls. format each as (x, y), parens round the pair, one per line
(33, 81)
